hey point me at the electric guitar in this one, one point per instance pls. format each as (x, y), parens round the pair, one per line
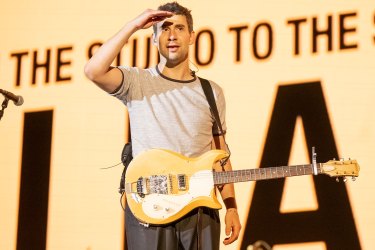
(161, 186)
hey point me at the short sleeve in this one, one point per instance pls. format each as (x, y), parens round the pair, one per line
(221, 107)
(129, 77)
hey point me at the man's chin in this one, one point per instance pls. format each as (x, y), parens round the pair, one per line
(174, 59)
(171, 60)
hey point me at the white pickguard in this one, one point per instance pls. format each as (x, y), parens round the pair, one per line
(161, 206)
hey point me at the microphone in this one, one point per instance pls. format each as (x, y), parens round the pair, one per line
(17, 99)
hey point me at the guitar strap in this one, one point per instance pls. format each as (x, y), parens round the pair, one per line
(126, 158)
(207, 89)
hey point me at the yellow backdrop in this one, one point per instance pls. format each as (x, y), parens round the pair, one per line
(256, 49)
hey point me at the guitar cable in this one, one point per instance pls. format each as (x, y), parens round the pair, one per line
(122, 205)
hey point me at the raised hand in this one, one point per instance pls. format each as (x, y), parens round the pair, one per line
(150, 17)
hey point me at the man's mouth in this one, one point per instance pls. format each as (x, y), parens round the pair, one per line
(173, 48)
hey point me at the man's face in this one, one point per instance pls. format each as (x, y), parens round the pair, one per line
(173, 39)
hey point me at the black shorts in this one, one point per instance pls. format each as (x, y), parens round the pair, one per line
(200, 229)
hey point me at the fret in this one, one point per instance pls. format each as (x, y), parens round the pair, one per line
(246, 173)
(264, 173)
(257, 174)
(235, 175)
(286, 171)
(309, 169)
(268, 173)
(241, 175)
(301, 170)
(280, 172)
(293, 170)
(252, 172)
(274, 172)
(261, 173)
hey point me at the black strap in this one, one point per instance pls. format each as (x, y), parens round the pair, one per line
(126, 158)
(207, 89)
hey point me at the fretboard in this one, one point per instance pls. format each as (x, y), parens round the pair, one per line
(263, 173)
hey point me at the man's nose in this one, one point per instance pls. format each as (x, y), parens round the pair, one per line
(172, 35)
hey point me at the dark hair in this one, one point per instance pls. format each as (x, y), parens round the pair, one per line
(178, 9)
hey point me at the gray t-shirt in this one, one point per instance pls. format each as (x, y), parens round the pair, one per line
(167, 113)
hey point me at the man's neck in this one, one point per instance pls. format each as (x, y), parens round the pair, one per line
(178, 72)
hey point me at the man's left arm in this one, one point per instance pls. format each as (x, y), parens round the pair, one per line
(232, 220)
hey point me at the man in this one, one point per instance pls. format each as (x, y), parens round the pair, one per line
(168, 109)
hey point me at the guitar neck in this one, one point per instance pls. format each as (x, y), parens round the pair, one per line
(263, 173)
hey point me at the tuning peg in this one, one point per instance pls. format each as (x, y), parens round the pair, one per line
(353, 178)
(337, 179)
(344, 179)
(341, 159)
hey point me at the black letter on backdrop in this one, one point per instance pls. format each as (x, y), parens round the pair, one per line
(316, 33)
(238, 31)
(212, 47)
(296, 24)
(333, 222)
(96, 45)
(60, 63)
(18, 57)
(147, 54)
(270, 41)
(344, 30)
(46, 65)
(35, 173)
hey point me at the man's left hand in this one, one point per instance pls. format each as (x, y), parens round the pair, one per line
(232, 226)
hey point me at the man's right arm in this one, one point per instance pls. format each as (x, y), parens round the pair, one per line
(98, 69)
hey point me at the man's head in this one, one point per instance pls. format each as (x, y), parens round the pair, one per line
(174, 35)
(177, 9)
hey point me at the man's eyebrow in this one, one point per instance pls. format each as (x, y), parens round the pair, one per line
(166, 24)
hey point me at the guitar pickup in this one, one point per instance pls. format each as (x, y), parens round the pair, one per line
(181, 180)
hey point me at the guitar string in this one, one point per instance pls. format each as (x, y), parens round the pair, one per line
(258, 172)
(261, 171)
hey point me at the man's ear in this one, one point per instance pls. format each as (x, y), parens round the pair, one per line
(192, 38)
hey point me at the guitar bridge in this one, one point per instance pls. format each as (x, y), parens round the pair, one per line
(142, 187)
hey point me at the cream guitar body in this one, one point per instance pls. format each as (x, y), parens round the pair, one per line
(161, 186)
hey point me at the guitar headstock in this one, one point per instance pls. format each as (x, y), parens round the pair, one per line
(342, 168)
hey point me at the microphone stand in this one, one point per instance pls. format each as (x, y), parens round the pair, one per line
(4, 105)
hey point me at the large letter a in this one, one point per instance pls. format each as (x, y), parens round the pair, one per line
(333, 222)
